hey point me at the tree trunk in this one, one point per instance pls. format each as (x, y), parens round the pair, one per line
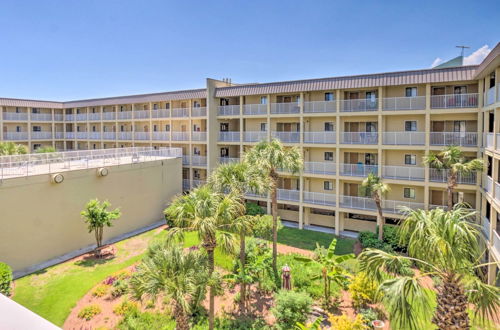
(451, 310)
(452, 182)
(243, 288)
(274, 212)
(380, 218)
(181, 320)
(211, 267)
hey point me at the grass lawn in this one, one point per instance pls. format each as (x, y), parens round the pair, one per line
(306, 239)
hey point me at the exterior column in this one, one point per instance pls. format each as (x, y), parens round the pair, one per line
(150, 131)
(1, 123)
(53, 128)
(268, 117)
(242, 130)
(307, 213)
(29, 130)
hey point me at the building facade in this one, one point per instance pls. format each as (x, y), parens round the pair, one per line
(346, 127)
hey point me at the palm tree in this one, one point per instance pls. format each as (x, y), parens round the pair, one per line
(269, 158)
(239, 178)
(176, 274)
(10, 148)
(452, 160)
(374, 187)
(97, 216)
(444, 244)
(211, 215)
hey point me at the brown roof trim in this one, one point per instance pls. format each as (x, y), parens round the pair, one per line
(8, 102)
(495, 52)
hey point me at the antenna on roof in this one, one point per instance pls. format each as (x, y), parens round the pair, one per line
(463, 49)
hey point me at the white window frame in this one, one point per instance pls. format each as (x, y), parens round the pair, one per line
(410, 190)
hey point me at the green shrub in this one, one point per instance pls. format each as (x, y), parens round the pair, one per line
(291, 307)
(241, 324)
(392, 237)
(254, 209)
(5, 278)
(89, 312)
(120, 287)
(125, 307)
(363, 290)
(302, 275)
(369, 315)
(370, 240)
(137, 320)
(101, 290)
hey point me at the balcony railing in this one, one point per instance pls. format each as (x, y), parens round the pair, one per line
(160, 113)
(198, 136)
(161, 136)
(124, 135)
(488, 184)
(255, 136)
(403, 103)
(497, 137)
(106, 116)
(226, 160)
(21, 116)
(180, 136)
(70, 135)
(388, 206)
(81, 135)
(357, 169)
(41, 135)
(320, 168)
(41, 117)
(95, 116)
(180, 112)
(320, 106)
(497, 191)
(320, 137)
(186, 184)
(228, 110)
(490, 96)
(141, 135)
(141, 114)
(488, 139)
(463, 139)
(199, 160)
(485, 227)
(186, 160)
(404, 138)
(94, 135)
(319, 198)
(359, 137)
(199, 112)
(109, 135)
(436, 175)
(229, 136)
(81, 117)
(124, 115)
(410, 173)
(288, 195)
(288, 137)
(285, 108)
(70, 117)
(358, 105)
(453, 101)
(59, 135)
(58, 117)
(197, 183)
(254, 109)
(495, 242)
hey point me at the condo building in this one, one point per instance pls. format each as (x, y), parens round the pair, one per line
(345, 127)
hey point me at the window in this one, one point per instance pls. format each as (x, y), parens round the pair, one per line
(93, 110)
(167, 106)
(263, 100)
(411, 91)
(17, 110)
(122, 128)
(155, 106)
(224, 102)
(328, 185)
(196, 151)
(329, 127)
(18, 128)
(37, 146)
(224, 127)
(196, 128)
(37, 129)
(224, 152)
(410, 160)
(410, 125)
(371, 126)
(196, 104)
(35, 110)
(154, 128)
(409, 193)
(121, 107)
(94, 146)
(167, 128)
(329, 155)
(105, 145)
(263, 127)
(460, 90)
(370, 96)
(93, 128)
(329, 97)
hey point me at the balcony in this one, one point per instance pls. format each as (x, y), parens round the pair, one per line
(488, 139)
(288, 195)
(94, 135)
(489, 96)
(358, 169)
(320, 137)
(403, 103)
(18, 116)
(124, 135)
(320, 107)
(70, 117)
(285, 108)
(255, 136)
(436, 175)
(180, 112)
(41, 117)
(161, 136)
(328, 168)
(186, 160)
(404, 138)
(359, 105)
(81, 117)
(485, 227)
(228, 110)
(70, 135)
(41, 135)
(198, 136)
(229, 136)
(197, 183)
(255, 109)
(95, 116)
(409, 173)
(226, 160)
(141, 135)
(199, 160)
(199, 112)
(58, 117)
(109, 135)
(106, 116)
(463, 139)
(81, 135)
(454, 101)
(160, 113)
(495, 242)
(488, 184)
(497, 191)
(359, 137)
(186, 184)
(319, 198)
(141, 114)
(287, 137)
(59, 135)
(123, 115)
(15, 136)
(180, 136)
(388, 206)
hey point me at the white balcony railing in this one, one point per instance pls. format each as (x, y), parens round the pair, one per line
(288, 195)
(21, 116)
(226, 160)
(320, 106)
(70, 117)
(124, 135)
(199, 160)
(436, 175)
(109, 135)
(180, 136)
(70, 135)
(58, 117)
(198, 183)
(41, 135)
(59, 135)
(358, 105)
(485, 227)
(453, 101)
(388, 206)
(497, 191)
(81, 117)
(319, 198)
(463, 139)
(229, 136)
(81, 135)
(320, 137)
(186, 160)
(161, 136)
(497, 137)
(359, 137)
(285, 108)
(13, 136)
(489, 140)
(228, 110)
(495, 242)
(186, 185)
(403, 103)
(488, 184)
(95, 116)
(287, 137)
(320, 168)
(404, 138)
(411, 173)
(198, 136)
(160, 113)
(141, 114)
(124, 115)
(255, 136)
(94, 136)
(254, 109)
(490, 96)
(106, 115)
(357, 169)
(199, 112)
(180, 112)
(141, 135)
(41, 117)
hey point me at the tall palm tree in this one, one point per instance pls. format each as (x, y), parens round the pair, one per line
(10, 148)
(269, 158)
(211, 215)
(176, 273)
(444, 245)
(374, 187)
(452, 160)
(239, 178)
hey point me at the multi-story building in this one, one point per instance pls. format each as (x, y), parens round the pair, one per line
(346, 127)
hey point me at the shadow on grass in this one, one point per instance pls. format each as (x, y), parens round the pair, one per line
(91, 261)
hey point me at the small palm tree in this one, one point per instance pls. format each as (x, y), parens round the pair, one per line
(97, 216)
(374, 187)
(452, 160)
(212, 215)
(444, 245)
(176, 273)
(269, 158)
(10, 148)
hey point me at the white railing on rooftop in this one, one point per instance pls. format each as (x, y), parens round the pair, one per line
(436, 175)
(41, 117)
(198, 112)
(55, 162)
(404, 138)
(357, 105)
(12, 136)
(359, 137)
(15, 116)
(288, 195)
(411, 173)
(463, 139)
(255, 136)
(403, 103)
(228, 110)
(319, 167)
(288, 137)
(357, 169)
(254, 109)
(320, 137)
(453, 101)
(285, 108)
(320, 106)
(229, 136)
(319, 198)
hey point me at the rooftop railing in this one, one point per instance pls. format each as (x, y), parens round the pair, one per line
(320, 106)
(228, 110)
(453, 101)
(403, 103)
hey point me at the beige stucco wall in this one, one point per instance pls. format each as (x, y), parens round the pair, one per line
(41, 220)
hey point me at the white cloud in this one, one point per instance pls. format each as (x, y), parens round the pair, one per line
(478, 56)
(436, 62)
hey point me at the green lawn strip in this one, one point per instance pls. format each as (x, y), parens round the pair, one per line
(306, 239)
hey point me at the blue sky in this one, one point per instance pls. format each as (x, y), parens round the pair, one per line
(67, 50)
